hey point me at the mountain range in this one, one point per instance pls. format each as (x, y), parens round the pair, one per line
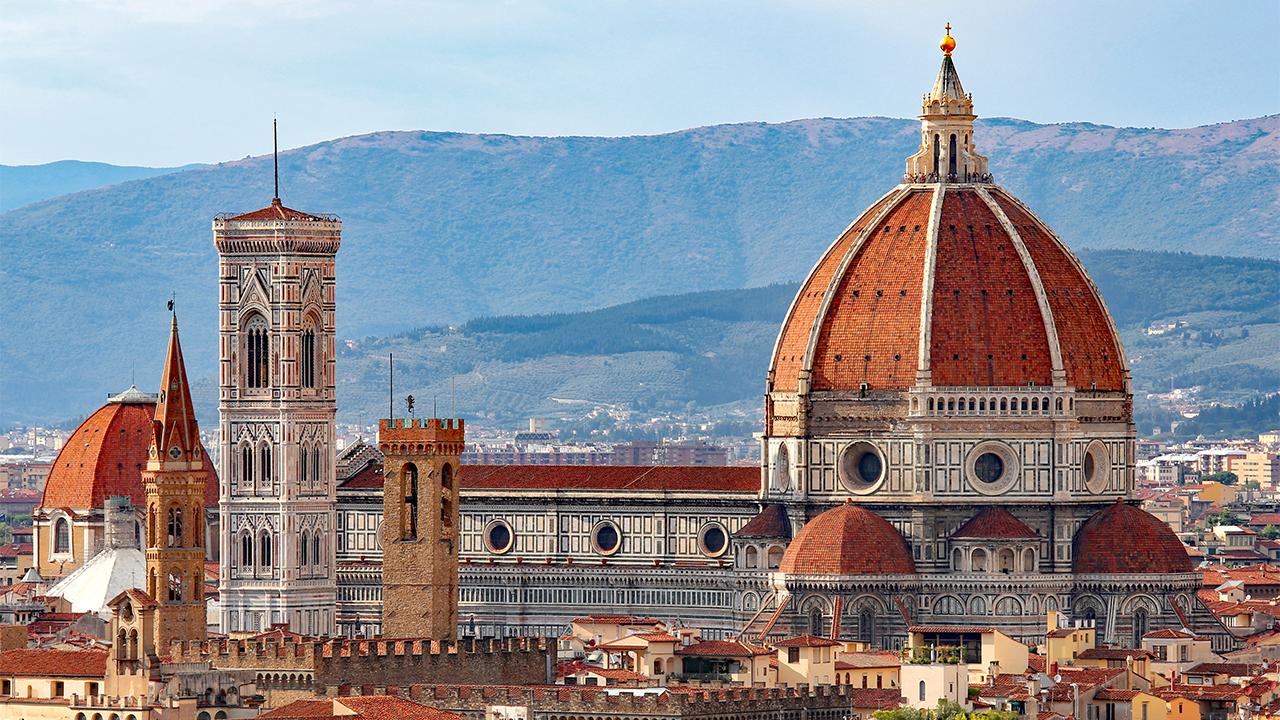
(442, 228)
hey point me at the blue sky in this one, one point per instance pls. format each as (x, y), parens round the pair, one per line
(167, 82)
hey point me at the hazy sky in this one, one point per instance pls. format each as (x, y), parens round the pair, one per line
(165, 82)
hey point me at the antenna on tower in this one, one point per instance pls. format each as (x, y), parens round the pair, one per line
(275, 156)
(391, 386)
(453, 396)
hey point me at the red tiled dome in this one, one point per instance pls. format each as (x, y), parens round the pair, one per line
(1125, 539)
(1007, 303)
(848, 540)
(106, 455)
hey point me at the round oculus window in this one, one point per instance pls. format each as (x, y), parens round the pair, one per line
(992, 467)
(713, 540)
(498, 537)
(606, 538)
(1096, 467)
(861, 468)
(989, 468)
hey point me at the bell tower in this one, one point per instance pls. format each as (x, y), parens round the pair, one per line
(276, 403)
(420, 527)
(175, 479)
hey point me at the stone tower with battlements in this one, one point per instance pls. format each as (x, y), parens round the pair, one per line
(420, 527)
(277, 404)
(175, 478)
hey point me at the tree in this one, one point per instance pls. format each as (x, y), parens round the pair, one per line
(1270, 532)
(1224, 477)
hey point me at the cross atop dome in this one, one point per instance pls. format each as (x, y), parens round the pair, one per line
(946, 151)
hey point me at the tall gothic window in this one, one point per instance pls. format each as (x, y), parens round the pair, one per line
(175, 528)
(937, 150)
(264, 464)
(302, 549)
(256, 353)
(307, 357)
(62, 536)
(317, 551)
(409, 511)
(246, 466)
(175, 587)
(315, 466)
(1139, 626)
(246, 552)
(867, 626)
(264, 550)
(951, 157)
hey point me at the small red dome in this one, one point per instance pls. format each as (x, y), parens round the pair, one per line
(1125, 539)
(106, 455)
(848, 540)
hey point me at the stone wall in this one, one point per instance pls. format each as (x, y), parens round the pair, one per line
(592, 703)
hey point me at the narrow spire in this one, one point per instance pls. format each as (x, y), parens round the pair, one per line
(175, 418)
(275, 158)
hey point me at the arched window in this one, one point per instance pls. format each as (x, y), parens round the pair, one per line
(978, 560)
(264, 550)
(446, 476)
(317, 550)
(922, 691)
(815, 621)
(774, 557)
(122, 645)
(303, 549)
(246, 552)
(246, 465)
(304, 472)
(951, 156)
(133, 644)
(752, 557)
(1029, 560)
(256, 353)
(409, 509)
(957, 559)
(937, 150)
(264, 465)
(174, 538)
(315, 465)
(175, 587)
(62, 536)
(1139, 626)
(867, 626)
(307, 356)
(1005, 558)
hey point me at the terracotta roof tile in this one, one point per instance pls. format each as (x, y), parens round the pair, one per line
(995, 523)
(987, 328)
(277, 211)
(662, 478)
(1124, 539)
(771, 522)
(806, 641)
(53, 663)
(105, 456)
(848, 540)
(723, 648)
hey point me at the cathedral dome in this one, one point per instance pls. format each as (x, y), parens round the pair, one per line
(960, 282)
(848, 540)
(1125, 539)
(947, 281)
(106, 455)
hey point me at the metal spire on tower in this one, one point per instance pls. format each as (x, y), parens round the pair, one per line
(275, 158)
